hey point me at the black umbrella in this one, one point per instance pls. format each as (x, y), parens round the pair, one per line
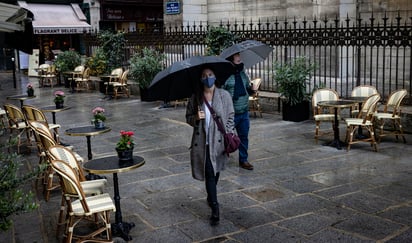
(179, 80)
(251, 52)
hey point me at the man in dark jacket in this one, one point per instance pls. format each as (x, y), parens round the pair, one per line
(238, 85)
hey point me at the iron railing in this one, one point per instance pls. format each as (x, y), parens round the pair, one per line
(346, 52)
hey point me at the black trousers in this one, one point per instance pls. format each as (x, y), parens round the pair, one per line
(210, 179)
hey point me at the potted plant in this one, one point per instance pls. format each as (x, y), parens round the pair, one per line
(98, 117)
(291, 79)
(144, 66)
(97, 63)
(59, 99)
(67, 61)
(30, 89)
(125, 146)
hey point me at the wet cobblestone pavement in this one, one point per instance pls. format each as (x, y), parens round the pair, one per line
(299, 191)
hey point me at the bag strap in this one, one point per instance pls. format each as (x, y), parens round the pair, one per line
(218, 122)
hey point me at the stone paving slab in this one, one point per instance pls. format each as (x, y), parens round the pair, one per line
(300, 191)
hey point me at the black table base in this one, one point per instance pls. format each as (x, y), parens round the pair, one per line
(122, 230)
(336, 143)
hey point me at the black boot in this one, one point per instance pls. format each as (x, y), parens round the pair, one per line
(209, 202)
(214, 219)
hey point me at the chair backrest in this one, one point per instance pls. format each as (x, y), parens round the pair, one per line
(70, 182)
(32, 113)
(51, 69)
(363, 91)
(40, 125)
(79, 68)
(86, 73)
(58, 152)
(394, 101)
(42, 135)
(256, 83)
(369, 108)
(123, 79)
(322, 95)
(14, 115)
(117, 72)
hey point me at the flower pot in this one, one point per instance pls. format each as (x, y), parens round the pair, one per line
(59, 104)
(295, 113)
(99, 124)
(125, 155)
(30, 92)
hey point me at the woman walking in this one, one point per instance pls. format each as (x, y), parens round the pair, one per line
(207, 155)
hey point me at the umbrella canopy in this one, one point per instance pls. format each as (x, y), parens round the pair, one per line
(251, 52)
(179, 80)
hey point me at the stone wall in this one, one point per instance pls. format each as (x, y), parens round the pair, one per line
(216, 11)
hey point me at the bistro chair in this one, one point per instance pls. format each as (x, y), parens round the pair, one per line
(81, 207)
(3, 119)
(82, 83)
(17, 123)
(42, 73)
(364, 120)
(323, 114)
(50, 76)
(46, 140)
(362, 91)
(121, 87)
(391, 113)
(254, 105)
(32, 113)
(115, 76)
(77, 73)
(92, 187)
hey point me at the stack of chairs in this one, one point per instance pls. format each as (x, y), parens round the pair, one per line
(84, 208)
(92, 187)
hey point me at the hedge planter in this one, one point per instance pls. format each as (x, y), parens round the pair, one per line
(295, 113)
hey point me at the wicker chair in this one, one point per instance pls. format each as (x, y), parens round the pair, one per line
(81, 207)
(254, 105)
(17, 123)
(364, 120)
(391, 113)
(93, 187)
(320, 114)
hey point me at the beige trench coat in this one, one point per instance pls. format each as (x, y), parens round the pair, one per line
(223, 106)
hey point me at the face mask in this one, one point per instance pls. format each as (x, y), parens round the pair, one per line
(209, 81)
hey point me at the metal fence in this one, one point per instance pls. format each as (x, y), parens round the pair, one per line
(346, 52)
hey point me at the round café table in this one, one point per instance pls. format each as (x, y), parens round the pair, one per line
(87, 131)
(54, 110)
(21, 98)
(111, 164)
(336, 104)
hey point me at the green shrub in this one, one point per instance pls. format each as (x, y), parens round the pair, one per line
(292, 79)
(217, 39)
(145, 65)
(13, 198)
(67, 61)
(97, 63)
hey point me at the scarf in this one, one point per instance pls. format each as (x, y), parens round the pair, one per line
(239, 87)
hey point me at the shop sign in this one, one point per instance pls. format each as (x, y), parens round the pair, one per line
(172, 7)
(59, 31)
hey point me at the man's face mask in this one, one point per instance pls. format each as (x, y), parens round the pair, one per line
(209, 81)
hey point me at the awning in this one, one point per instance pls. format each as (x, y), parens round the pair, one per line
(57, 18)
(12, 18)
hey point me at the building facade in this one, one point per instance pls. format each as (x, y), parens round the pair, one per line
(215, 12)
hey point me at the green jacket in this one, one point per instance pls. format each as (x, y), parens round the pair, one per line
(241, 105)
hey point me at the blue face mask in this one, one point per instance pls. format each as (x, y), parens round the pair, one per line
(209, 81)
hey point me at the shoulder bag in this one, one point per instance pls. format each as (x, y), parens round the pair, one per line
(231, 140)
